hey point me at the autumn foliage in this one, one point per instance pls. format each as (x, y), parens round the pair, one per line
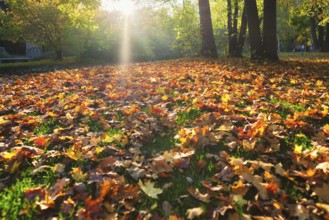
(185, 139)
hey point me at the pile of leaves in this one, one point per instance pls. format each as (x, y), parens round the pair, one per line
(183, 139)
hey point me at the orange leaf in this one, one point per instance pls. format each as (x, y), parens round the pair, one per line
(40, 142)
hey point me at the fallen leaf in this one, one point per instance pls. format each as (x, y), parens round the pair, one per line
(299, 211)
(194, 213)
(198, 195)
(238, 199)
(324, 166)
(240, 188)
(323, 192)
(149, 189)
(323, 206)
(40, 142)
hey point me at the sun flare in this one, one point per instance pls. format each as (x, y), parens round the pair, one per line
(126, 7)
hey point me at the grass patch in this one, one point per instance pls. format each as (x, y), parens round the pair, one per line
(299, 140)
(187, 117)
(285, 108)
(12, 203)
(46, 127)
(159, 143)
(94, 124)
(192, 177)
(41, 62)
(113, 136)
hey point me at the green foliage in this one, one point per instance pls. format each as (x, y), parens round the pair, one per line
(301, 140)
(159, 143)
(12, 202)
(94, 124)
(49, 23)
(187, 30)
(46, 127)
(187, 117)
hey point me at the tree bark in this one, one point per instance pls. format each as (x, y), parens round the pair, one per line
(208, 46)
(321, 38)
(315, 43)
(229, 28)
(256, 48)
(326, 41)
(235, 26)
(232, 27)
(269, 30)
(235, 23)
(243, 31)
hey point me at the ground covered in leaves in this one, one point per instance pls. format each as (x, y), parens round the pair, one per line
(184, 139)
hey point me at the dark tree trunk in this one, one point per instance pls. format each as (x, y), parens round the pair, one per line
(229, 28)
(326, 41)
(243, 31)
(235, 23)
(59, 54)
(269, 30)
(254, 29)
(321, 38)
(208, 46)
(315, 43)
(232, 27)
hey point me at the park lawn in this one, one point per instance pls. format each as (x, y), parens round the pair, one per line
(179, 139)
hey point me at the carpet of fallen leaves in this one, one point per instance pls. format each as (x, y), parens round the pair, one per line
(183, 139)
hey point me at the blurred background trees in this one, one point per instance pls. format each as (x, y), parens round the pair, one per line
(163, 29)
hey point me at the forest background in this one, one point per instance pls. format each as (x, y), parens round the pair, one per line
(158, 29)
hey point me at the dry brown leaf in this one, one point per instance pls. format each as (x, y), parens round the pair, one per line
(194, 213)
(240, 188)
(198, 195)
(323, 192)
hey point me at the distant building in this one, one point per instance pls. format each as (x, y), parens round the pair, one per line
(33, 50)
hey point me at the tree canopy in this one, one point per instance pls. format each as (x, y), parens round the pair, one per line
(164, 29)
(48, 23)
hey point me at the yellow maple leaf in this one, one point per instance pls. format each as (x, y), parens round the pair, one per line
(7, 156)
(226, 98)
(298, 149)
(78, 175)
(319, 83)
(73, 154)
(149, 189)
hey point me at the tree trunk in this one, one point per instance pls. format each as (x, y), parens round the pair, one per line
(208, 46)
(229, 28)
(254, 29)
(315, 43)
(232, 26)
(235, 27)
(326, 41)
(321, 38)
(243, 31)
(59, 54)
(269, 30)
